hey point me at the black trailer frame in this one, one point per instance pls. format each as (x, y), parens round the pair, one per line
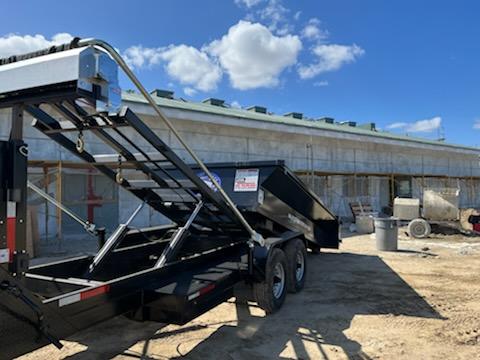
(169, 273)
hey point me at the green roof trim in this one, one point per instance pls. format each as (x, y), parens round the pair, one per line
(280, 119)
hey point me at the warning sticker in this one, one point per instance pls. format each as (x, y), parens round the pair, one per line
(246, 180)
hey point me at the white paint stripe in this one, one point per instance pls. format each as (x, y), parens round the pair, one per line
(69, 300)
(4, 256)
(11, 209)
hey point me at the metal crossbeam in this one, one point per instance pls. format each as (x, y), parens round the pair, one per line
(128, 116)
(44, 121)
(122, 150)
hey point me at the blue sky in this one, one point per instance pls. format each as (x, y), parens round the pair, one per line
(409, 66)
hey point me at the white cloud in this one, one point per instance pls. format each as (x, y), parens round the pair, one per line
(397, 125)
(330, 58)
(190, 91)
(191, 66)
(139, 56)
(17, 45)
(425, 126)
(253, 57)
(183, 63)
(235, 104)
(248, 3)
(321, 83)
(275, 15)
(249, 53)
(312, 31)
(476, 124)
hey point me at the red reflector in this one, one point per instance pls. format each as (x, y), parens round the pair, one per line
(207, 289)
(94, 292)
(11, 234)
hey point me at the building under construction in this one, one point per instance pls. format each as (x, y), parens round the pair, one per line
(342, 162)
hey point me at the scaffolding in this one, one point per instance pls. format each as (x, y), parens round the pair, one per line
(339, 189)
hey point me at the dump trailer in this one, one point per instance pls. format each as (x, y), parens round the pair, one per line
(231, 223)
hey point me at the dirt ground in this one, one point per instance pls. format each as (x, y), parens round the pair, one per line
(422, 302)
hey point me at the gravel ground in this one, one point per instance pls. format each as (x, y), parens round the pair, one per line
(422, 302)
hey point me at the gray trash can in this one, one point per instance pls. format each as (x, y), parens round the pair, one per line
(386, 233)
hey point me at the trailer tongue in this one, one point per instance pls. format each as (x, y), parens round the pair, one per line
(249, 222)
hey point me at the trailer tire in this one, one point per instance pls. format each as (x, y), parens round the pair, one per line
(270, 293)
(296, 254)
(419, 228)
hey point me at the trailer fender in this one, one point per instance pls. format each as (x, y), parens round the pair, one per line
(261, 253)
(282, 239)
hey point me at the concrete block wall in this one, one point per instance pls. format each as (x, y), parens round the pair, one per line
(219, 140)
(228, 143)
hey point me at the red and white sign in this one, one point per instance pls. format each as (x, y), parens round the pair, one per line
(246, 180)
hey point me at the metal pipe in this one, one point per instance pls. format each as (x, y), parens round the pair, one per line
(116, 56)
(90, 228)
(178, 237)
(135, 213)
(114, 239)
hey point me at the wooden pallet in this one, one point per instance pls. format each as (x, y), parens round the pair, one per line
(360, 208)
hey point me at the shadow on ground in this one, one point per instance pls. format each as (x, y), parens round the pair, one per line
(341, 285)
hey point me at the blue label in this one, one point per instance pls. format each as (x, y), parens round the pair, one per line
(207, 180)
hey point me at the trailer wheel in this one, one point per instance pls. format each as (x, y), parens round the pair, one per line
(271, 292)
(296, 254)
(419, 228)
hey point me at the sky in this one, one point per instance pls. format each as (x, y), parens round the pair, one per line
(411, 67)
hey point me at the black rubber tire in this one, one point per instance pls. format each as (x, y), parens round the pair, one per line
(293, 248)
(263, 291)
(419, 228)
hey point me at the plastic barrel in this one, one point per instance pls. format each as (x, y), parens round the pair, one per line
(386, 233)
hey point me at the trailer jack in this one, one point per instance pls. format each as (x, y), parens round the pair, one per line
(40, 326)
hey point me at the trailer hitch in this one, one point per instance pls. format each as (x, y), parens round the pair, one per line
(40, 325)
